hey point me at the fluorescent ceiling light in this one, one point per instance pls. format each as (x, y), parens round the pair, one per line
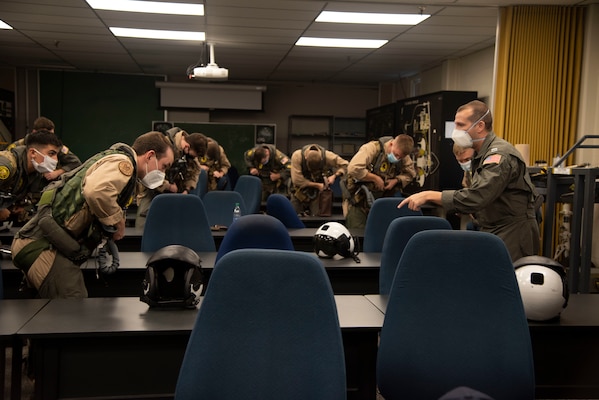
(158, 34)
(331, 42)
(148, 7)
(371, 18)
(4, 25)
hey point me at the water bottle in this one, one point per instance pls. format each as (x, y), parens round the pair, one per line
(236, 213)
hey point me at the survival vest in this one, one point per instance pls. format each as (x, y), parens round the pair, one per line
(66, 195)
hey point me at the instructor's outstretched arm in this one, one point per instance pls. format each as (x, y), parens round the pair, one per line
(415, 201)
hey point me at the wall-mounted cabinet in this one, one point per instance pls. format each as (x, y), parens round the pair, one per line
(348, 135)
(305, 130)
(344, 136)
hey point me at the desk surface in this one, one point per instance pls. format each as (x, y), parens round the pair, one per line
(128, 315)
(582, 311)
(15, 313)
(137, 260)
(133, 233)
(346, 275)
(293, 232)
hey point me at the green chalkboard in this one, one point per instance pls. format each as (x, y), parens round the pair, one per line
(234, 138)
(92, 111)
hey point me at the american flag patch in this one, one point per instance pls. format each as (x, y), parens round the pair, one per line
(494, 159)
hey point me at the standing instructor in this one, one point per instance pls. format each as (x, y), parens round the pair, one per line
(501, 196)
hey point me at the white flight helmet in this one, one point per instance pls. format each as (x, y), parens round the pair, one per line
(333, 240)
(543, 287)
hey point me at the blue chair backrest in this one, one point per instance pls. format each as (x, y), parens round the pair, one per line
(255, 231)
(176, 218)
(455, 318)
(336, 188)
(219, 205)
(267, 328)
(383, 211)
(250, 188)
(202, 186)
(399, 232)
(280, 207)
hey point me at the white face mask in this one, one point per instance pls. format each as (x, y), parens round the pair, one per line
(48, 165)
(466, 165)
(154, 178)
(462, 138)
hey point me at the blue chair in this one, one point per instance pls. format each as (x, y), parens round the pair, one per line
(399, 232)
(219, 205)
(202, 186)
(255, 231)
(280, 207)
(250, 188)
(175, 218)
(383, 211)
(455, 318)
(267, 328)
(336, 188)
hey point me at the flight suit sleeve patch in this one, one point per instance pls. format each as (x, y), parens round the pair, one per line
(4, 172)
(494, 159)
(126, 168)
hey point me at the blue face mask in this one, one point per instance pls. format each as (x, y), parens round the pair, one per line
(391, 158)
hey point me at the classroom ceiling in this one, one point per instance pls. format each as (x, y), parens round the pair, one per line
(254, 39)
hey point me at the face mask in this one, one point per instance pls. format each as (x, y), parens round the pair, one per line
(48, 165)
(391, 158)
(462, 138)
(466, 165)
(154, 178)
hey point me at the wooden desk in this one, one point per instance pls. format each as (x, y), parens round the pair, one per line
(346, 276)
(565, 351)
(13, 315)
(119, 347)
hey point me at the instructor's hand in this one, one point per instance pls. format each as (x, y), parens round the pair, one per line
(415, 201)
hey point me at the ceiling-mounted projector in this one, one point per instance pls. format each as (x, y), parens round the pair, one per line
(211, 72)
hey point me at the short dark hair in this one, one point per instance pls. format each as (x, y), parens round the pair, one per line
(43, 123)
(405, 143)
(478, 110)
(198, 142)
(260, 153)
(213, 150)
(152, 140)
(42, 138)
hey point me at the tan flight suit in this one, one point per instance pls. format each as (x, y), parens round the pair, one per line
(306, 198)
(222, 164)
(54, 275)
(278, 163)
(371, 157)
